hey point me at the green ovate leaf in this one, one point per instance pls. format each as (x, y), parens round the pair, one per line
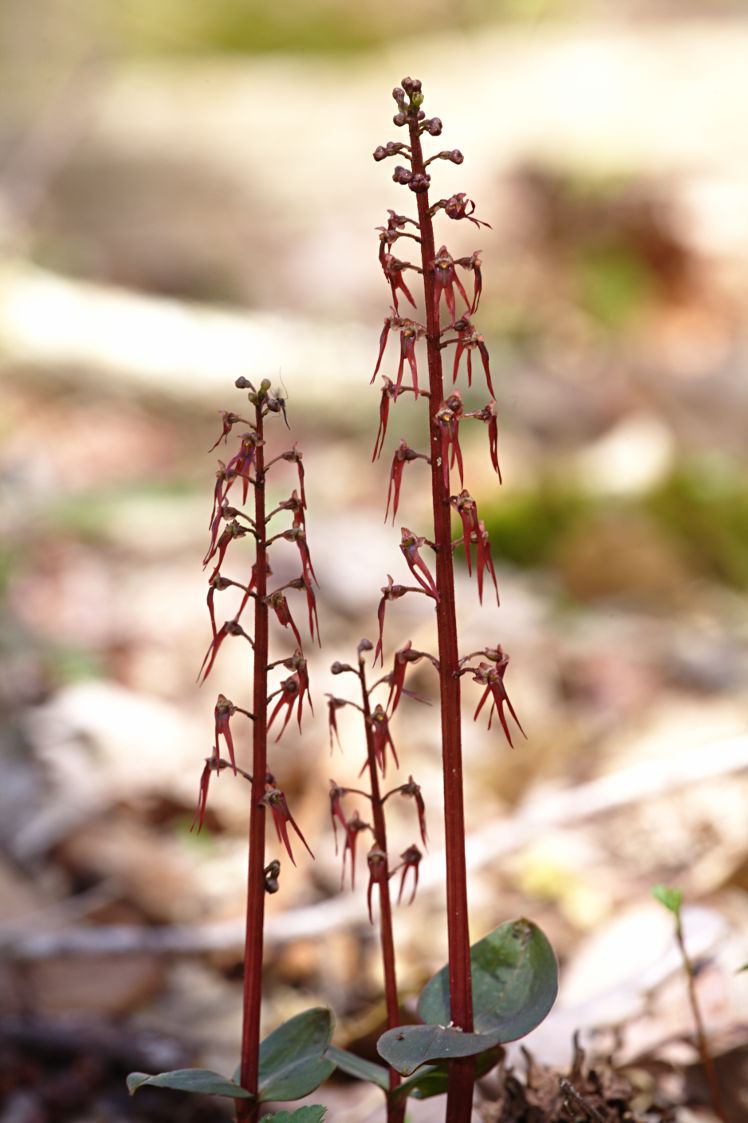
(515, 981)
(200, 1080)
(406, 1048)
(312, 1113)
(432, 1080)
(672, 899)
(358, 1067)
(292, 1061)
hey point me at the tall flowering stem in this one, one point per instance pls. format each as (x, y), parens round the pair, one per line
(250, 467)
(256, 860)
(378, 738)
(442, 289)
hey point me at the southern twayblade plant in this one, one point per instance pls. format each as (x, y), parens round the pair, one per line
(290, 1063)
(503, 986)
(376, 720)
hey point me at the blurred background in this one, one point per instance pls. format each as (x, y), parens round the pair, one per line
(187, 195)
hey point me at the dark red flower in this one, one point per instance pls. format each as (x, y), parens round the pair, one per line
(230, 532)
(445, 278)
(491, 675)
(380, 728)
(224, 710)
(291, 691)
(229, 628)
(466, 508)
(468, 340)
(389, 592)
(411, 861)
(279, 605)
(474, 263)
(376, 860)
(459, 206)
(483, 559)
(295, 457)
(412, 790)
(489, 415)
(228, 420)
(410, 544)
(353, 828)
(211, 765)
(296, 534)
(336, 811)
(282, 817)
(242, 463)
(447, 418)
(333, 705)
(393, 270)
(302, 583)
(403, 455)
(388, 392)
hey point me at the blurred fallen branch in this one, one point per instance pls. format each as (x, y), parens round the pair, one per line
(569, 807)
(54, 326)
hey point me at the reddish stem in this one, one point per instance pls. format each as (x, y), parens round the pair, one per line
(249, 1109)
(395, 1108)
(460, 1092)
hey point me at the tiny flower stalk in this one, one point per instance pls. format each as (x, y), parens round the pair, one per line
(249, 466)
(447, 308)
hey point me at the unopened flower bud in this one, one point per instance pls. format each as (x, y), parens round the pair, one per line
(243, 383)
(340, 668)
(456, 156)
(419, 183)
(380, 153)
(399, 118)
(434, 126)
(402, 175)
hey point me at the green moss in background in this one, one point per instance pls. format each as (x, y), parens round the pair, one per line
(308, 26)
(525, 527)
(700, 513)
(704, 507)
